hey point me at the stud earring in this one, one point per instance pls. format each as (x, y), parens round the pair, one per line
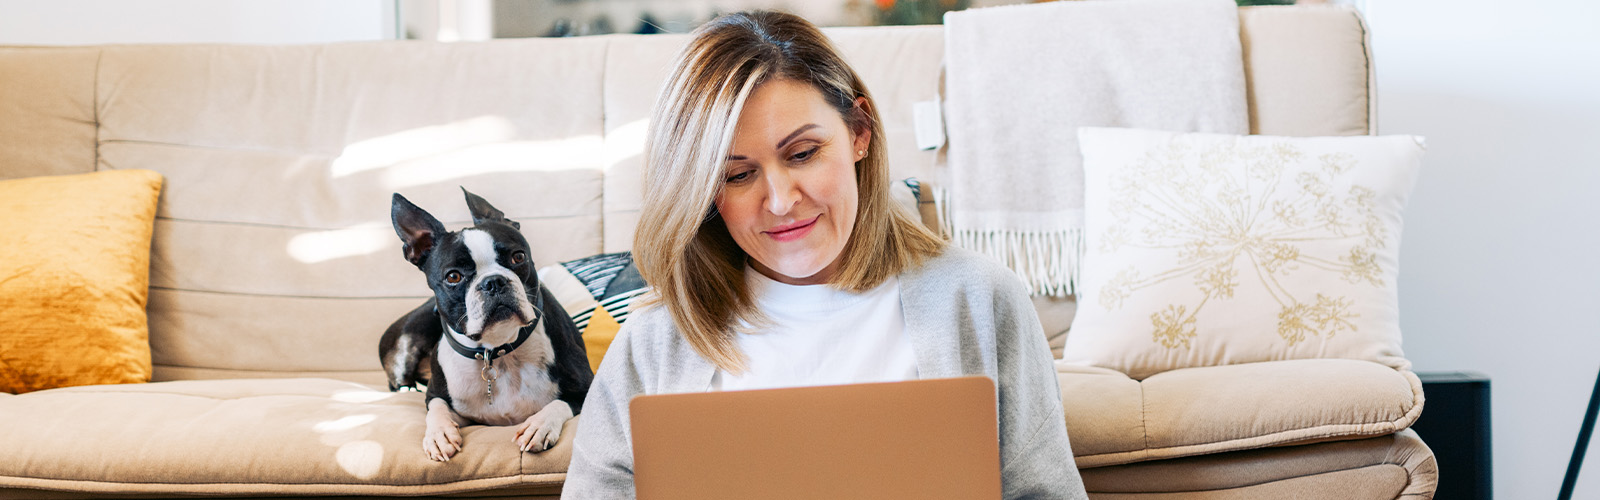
(861, 154)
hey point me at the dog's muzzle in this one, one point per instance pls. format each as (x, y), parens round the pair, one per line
(502, 302)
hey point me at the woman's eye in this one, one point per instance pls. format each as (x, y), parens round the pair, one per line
(453, 277)
(518, 257)
(806, 155)
(739, 176)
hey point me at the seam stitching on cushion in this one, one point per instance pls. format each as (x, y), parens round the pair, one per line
(605, 133)
(1144, 419)
(1265, 444)
(1254, 443)
(322, 228)
(1418, 400)
(288, 296)
(95, 103)
(262, 483)
(196, 396)
(1372, 76)
(292, 373)
(221, 148)
(1290, 478)
(1408, 484)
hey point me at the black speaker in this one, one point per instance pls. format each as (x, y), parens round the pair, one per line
(1455, 424)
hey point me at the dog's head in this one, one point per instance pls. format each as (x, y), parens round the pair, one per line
(481, 275)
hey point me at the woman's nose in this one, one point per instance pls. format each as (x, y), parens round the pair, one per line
(782, 191)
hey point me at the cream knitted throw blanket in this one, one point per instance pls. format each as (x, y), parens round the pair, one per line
(1019, 82)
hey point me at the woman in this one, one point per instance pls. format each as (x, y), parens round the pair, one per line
(778, 259)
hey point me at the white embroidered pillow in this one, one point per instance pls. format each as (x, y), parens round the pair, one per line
(1210, 249)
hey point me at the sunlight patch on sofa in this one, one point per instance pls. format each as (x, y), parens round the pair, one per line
(322, 246)
(626, 142)
(362, 397)
(362, 459)
(388, 150)
(572, 153)
(345, 430)
(344, 424)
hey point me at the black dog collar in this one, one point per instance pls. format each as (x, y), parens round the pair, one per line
(486, 354)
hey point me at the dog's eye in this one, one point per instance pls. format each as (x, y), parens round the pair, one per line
(518, 257)
(453, 278)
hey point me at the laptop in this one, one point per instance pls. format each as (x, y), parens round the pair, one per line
(922, 439)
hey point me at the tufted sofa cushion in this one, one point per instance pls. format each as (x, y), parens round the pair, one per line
(1113, 419)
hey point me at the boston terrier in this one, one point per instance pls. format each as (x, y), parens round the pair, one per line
(510, 355)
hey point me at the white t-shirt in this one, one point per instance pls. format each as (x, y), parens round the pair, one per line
(820, 335)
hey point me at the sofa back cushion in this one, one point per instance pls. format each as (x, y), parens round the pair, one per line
(1308, 70)
(47, 111)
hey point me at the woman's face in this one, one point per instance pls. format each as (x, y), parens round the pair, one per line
(789, 186)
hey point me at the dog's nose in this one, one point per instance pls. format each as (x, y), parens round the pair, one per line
(494, 284)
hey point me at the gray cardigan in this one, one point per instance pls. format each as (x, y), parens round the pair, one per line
(966, 315)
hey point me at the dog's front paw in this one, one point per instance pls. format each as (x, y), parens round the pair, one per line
(538, 433)
(543, 429)
(441, 442)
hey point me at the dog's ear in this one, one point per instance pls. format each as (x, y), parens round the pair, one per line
(483, 212)
(418, 230)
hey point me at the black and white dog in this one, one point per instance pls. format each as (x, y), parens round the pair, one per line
(510, 356)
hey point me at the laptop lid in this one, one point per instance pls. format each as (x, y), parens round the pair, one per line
(922, 439)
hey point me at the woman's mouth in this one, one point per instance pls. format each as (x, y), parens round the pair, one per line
(794, 231)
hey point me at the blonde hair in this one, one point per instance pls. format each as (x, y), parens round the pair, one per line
(681, 245)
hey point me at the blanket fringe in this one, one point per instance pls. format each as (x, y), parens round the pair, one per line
(1047, 261)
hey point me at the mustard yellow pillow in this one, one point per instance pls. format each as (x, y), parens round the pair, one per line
(597, 335)
(74, 277)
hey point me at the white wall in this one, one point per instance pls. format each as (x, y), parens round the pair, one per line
(82, 22)
(1500, 263)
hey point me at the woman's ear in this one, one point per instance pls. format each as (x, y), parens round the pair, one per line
(861, 126)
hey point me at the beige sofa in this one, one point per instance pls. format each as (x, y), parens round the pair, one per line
(274, 270)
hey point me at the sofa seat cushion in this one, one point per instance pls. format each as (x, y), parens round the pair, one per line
(254, 437)
(1113, 419)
